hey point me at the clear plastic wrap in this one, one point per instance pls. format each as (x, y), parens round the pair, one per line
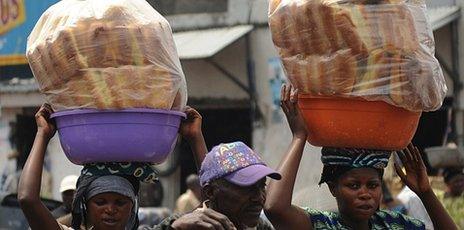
(373, 49)
(111, 54)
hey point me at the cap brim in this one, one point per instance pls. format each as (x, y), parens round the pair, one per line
(252, 174)
(66, 188)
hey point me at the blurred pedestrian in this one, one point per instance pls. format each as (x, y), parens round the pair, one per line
(414, 206)
(189, 200)
(67, 189)
(390, 202)
(151, 211)
(453, 197)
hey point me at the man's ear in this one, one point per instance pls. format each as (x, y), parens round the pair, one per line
(332, 188)
(208, 192)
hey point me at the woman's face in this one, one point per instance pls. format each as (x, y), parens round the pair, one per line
(358, 193)
(109, 211)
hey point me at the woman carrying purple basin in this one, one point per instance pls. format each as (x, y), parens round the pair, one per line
(106, 194)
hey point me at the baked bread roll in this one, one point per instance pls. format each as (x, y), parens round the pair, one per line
(116, 55)
(375, 49)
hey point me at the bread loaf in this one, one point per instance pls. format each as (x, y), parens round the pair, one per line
(370, 49)
(116, 55)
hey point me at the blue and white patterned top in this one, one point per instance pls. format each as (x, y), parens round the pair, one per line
(382, 219)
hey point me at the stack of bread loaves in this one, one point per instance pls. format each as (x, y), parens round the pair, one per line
(115, 54)
(379, 50)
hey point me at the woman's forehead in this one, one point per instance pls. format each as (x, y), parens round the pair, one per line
(361, 173)
(110, 195)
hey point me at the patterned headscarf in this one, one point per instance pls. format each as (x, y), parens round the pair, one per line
(338, 161)
(94, 176)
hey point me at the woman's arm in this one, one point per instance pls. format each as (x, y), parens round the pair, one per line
(190, 129)
(38, 216)
(278, 207)
(416, 179)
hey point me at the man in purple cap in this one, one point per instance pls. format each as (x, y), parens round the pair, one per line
(233, 181)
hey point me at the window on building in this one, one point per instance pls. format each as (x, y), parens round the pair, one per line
(171, 7)
(12, 71)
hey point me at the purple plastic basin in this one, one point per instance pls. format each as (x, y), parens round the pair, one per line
(131, 135)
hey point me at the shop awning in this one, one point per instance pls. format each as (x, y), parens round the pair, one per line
(198, 44)
(441, 16)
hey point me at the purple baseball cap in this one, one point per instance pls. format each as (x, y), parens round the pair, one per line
(235, 162)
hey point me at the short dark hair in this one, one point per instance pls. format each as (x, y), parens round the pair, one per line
(192, 181)
(449, 173)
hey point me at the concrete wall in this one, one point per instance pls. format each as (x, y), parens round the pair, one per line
(171, 183)
(435, 3)
(443, 48)
(460, 113)
(60, 165)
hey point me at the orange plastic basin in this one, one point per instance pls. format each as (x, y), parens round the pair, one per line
(356, 123)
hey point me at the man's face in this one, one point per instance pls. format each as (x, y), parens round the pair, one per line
(456, 185)
(67, 197)
(242, 205)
